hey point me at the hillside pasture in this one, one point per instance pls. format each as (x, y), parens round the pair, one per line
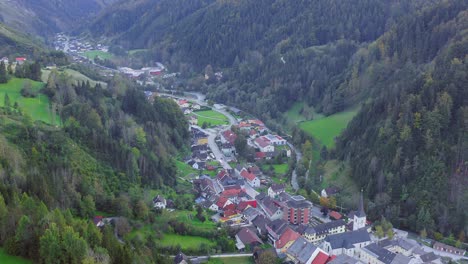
(326, 129)
(38, 107)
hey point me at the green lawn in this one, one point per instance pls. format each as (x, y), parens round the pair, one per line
(133, 52)
(281, 168)
(327, 128)
(211, 117)
(189, 217)
(37, 108)
(101, 54)
(7, 259)
(77, 77)
(231, 260)
(185, 242)
(294, 114)
(183, 170)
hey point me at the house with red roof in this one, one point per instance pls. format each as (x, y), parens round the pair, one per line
(228, 137)
(335, 215)
(321, 258)
(20, 60)
(223, 202)
(251, 179)
(286, 239)
(264, 144)
(183, 103)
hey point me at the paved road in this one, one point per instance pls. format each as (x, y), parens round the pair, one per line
(214, 148)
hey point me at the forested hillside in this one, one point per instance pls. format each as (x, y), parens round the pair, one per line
(53, 180)
(12, 41)
(408, 147)
(273, 53)
(45, 17)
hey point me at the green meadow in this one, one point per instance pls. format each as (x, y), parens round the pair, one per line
(327, 128)
(211, 117)
(8, 259)
(101, 54)
(37, 107)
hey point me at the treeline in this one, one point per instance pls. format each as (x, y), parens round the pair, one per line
(408, 146)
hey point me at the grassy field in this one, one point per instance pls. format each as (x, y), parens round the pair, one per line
(211, 117)
(77, 77)
(101, 54)
(185, 242)
(239, 260)
(327, 128)
(294, 114)
(189, 217)
(7, 259)
(133, 52)
(37, 108)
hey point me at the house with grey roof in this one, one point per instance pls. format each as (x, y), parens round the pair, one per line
(430, 258)
(275, 229)
(349, 243)
(319, 232)
(345, 259)
(260, 223)
(302, 251)
(247, 237)
(375, 254)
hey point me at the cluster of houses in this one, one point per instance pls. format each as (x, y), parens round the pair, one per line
(75, 45)
(201, 153)
(187, 108)
(267, 145)
(18, 60)
(157, 70)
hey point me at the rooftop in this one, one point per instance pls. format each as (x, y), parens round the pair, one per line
(348, 239)
(380, 253)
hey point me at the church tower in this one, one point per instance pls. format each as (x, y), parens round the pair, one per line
(359, 220)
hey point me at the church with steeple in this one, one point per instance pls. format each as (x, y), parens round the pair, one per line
(359, 219)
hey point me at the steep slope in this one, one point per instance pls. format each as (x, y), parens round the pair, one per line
(273, 52)
(409, 146)
(44, 17)
(12, 41)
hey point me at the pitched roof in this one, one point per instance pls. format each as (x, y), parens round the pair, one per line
(321, 258)
(180, 257)
(335, 215)
(262, 142)
(277, 187)
(287, 236)
(260, 222)
(260, 155)
(325, 227)
(344, 259)
(301, 250)
(429, 257)
(221, 201)
(382, 254)
(401, 259)
(278, 226)
(347, 239)
(247, 175)
(248, 236)
(229, 136)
